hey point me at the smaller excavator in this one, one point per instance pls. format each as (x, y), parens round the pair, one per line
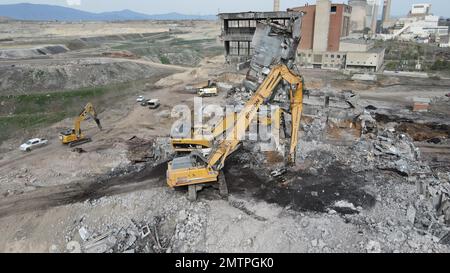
(74, 137)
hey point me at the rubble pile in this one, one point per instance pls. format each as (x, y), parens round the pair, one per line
(238, 95)
(137, 237)
(143, 150)
(398, 153)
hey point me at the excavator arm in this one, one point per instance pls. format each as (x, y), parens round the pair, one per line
(280, 72)
(87, 113)
(195, 169)
(296, 113)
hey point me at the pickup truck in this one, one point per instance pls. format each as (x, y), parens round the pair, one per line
(33, 144)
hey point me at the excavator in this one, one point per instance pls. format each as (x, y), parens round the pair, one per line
(195, 170)
(74, 137)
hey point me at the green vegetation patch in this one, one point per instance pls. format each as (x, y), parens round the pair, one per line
(440, 65)
(27, 112)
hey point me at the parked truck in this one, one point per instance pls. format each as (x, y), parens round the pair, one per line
(209, 90)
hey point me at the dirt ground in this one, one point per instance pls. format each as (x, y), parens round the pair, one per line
(56, 200)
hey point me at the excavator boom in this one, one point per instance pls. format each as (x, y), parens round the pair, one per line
(186, 171)
(278, 73)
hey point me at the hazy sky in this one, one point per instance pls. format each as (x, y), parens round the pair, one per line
(399, 7)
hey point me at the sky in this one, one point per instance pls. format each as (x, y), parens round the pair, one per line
(203, 7)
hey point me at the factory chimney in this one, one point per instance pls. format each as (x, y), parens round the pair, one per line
(386, 11)
(276, 5)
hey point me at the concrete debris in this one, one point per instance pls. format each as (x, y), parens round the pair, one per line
(145, 231)
(278, 172)
(411, 214)
(373, 247)
(398, 153)
(73, 247)
(142, 150)
(134, 238)
(84, 234)
(364, 77)
(224, 86)
(272, 43)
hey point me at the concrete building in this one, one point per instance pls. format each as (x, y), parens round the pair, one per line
(372, 15)
(326, 43)
(386, 16)
(362, 55)
(419, 25)
(238, 30)
(364, 16)
(323, 25)
(420, 10)
(445, 41)
(359, 15)
(276, 5)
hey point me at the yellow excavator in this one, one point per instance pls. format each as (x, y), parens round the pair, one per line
(74, 137)
(195, 170)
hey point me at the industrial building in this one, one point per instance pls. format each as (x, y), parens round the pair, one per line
(386, 15)
(420, 10)
(325, 42)
(419, 25)
(364, 16)
(358, 15)
(238, 30)
(323, 25)
(372, 15)
(362, 55)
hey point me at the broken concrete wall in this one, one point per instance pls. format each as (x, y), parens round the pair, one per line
(273, 44)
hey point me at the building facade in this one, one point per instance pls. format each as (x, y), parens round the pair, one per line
(325, 37)
(323, 25)
(386, 16)
(238, 30)
(420, 9)
(359, 15)
(372, 15)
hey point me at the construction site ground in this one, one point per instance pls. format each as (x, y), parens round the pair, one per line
(55, 199)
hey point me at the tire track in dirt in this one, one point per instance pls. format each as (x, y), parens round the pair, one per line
(48, 197)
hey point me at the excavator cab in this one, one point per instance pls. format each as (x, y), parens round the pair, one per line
(190, 169)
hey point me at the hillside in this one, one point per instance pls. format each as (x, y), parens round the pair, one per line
(35, 12)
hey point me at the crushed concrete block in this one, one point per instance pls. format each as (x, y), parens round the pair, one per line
(411, 214)
(145, 231)
(364, 77)
(373, 247)
(224, 86)
(73, 247)
(84, 233)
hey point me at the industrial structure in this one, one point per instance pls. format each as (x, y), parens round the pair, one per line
(420, 10)
(326, 35)
(358, 16)
(372, 15)
(364, 16)
(276, 5)
(386, 16)
(326, 41)
(419, 25)
(238, 30)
